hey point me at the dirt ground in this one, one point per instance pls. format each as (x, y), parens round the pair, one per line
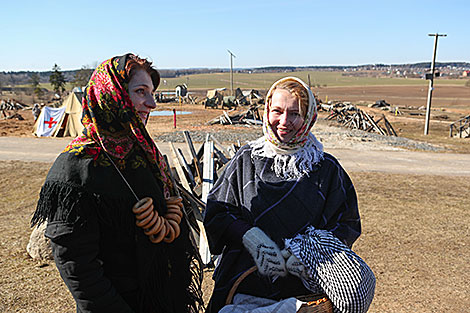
(415, 227)
(415, 238)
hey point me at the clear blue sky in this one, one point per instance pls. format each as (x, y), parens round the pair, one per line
(188, 34)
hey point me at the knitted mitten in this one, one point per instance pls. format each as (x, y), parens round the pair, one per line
(265, 252)
(293, 265)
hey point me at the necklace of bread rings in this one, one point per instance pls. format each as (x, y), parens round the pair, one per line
(159, 228)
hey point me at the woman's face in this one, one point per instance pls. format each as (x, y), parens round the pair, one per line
(284, 115)
(141, 94)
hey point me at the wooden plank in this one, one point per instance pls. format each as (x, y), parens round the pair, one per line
(179, 168)
(207, 184)
(232, 150)
(376, 127)
(203, 244)
(192, 152)
(200, 153)
(185, 166)
(228, 117)
(197, 203)
(387, 127)
(220, 156)
(208, 169)
(172, 178)
(221, 147)
(387, 123)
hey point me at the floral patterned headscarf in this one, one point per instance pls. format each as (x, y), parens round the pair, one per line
(300, 138)
(111, 123)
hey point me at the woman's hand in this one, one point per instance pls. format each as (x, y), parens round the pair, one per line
(265, 252)
(293, 265)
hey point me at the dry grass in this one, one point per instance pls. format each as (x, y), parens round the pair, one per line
(415, 238)
(413, 128)
(25, 285)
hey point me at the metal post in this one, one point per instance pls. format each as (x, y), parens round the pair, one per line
(231, 76)
(231, 71)
(431, 83)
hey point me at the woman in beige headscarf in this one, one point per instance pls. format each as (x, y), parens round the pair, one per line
(274, 189)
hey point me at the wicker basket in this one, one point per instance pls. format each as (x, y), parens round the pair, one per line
(313, 303)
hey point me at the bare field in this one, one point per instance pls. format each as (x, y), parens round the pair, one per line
(415, 238)
(444, 97)
(322, 78)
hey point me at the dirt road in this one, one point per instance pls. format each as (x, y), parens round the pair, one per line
(402, 162)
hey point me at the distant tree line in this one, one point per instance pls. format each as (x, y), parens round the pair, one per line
(80, 77)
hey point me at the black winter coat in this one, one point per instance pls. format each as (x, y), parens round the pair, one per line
(106, 261)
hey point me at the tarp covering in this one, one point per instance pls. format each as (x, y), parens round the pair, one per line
(71, 124)
(68, 123)
(48, 121)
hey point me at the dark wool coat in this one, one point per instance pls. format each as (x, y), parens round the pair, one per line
(248, 194)
(106, 261)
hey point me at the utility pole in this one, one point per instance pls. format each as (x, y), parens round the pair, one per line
(431, 82)
(231, 71)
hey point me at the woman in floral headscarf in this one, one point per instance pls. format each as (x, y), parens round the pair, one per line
(111, 260)
(274, 189)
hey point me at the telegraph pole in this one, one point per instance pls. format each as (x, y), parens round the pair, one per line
(431, 82)
(231, 71)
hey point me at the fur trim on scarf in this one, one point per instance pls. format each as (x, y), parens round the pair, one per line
(289, 164)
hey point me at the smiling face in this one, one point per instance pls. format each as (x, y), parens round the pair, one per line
(284, 115)
(141, 93)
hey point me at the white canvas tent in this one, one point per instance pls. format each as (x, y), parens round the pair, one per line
(67, 124)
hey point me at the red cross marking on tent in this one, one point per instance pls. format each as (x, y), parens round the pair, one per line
(50, 122)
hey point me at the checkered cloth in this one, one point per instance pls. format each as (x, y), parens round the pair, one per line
(345, 278)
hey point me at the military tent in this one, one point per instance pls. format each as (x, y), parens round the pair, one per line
(66, 124)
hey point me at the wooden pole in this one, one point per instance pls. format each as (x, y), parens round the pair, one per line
(431, 83)
(231, 71)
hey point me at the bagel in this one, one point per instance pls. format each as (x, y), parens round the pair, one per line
(143, 223)
(173, 217)
(142, 205)
(176, 227)
(156, 226)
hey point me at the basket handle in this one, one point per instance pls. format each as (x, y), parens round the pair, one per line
(231, 293)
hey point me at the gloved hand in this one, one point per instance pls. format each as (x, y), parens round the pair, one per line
(293, 265)
(265, 252)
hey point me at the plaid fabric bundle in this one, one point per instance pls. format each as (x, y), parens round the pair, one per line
(345, 278)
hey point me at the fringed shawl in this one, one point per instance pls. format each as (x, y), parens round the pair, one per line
(82, 186)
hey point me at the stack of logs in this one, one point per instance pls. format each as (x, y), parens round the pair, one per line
(352, 117)
(10, 108)
(196, 178)
(247, 117)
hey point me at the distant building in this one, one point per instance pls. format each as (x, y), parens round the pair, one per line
(181, 90)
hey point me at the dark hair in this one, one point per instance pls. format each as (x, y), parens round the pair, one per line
(135, 63)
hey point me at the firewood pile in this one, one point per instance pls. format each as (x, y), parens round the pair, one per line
(10, 108)
(12, 104)
(251, 116)
(352, 117)
(194, 179)
(460, 128)
(189, 99)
